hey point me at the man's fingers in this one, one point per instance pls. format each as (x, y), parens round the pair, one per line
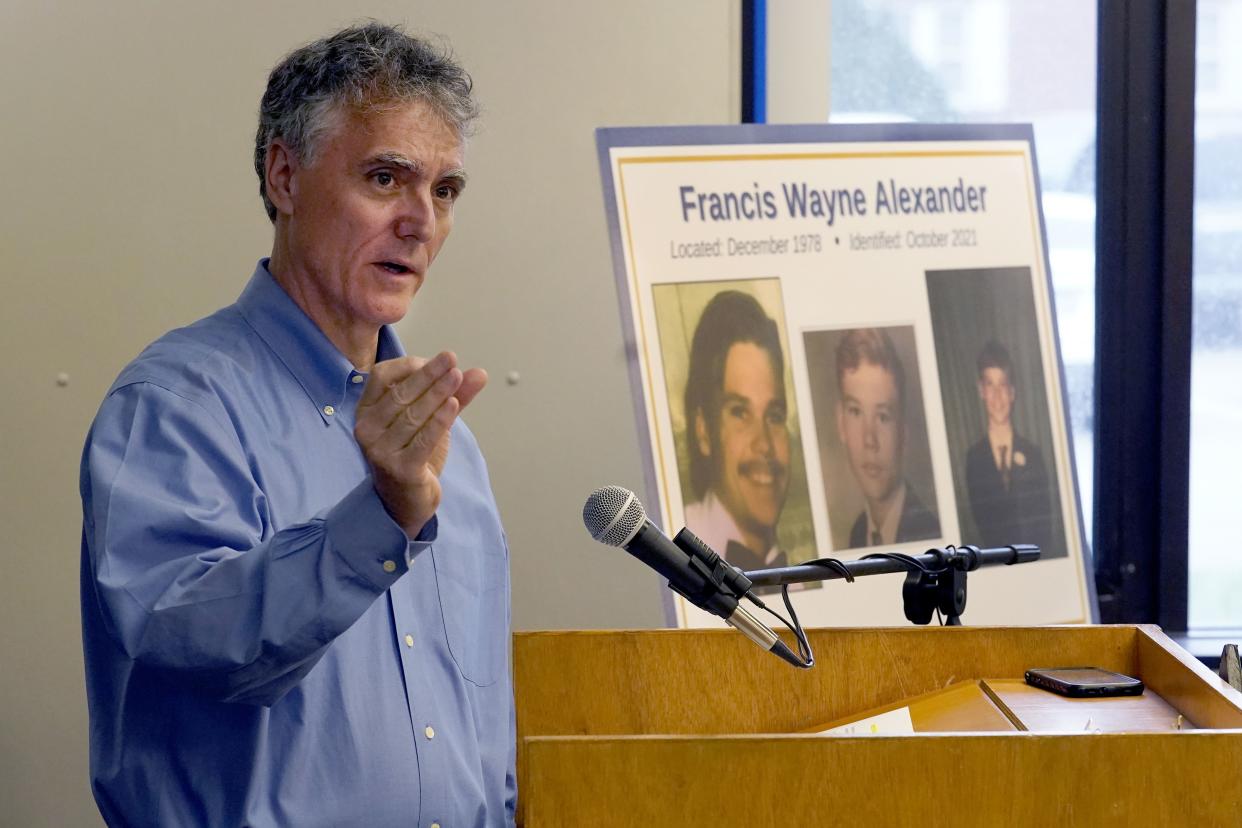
(393, 371)
(406, 423)
(405, 390)
(406, 419)
(421, 448)
(384, 374)
(415, 401)
(472, 382)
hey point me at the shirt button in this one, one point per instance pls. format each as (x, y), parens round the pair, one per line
(356, 378)
(329, 410)
(409, 640)
(429, 732)
(390, 566)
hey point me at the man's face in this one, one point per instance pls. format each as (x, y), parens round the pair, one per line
(370, 214)
(997, 394)
(869, 426)
(751, 447)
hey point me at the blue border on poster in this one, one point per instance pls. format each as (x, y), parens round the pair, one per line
(608, 138)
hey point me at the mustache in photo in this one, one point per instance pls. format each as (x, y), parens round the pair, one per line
(773, 467)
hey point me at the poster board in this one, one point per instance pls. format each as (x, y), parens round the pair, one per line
(842, 340)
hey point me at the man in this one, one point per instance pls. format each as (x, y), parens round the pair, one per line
(294, 578)
(1006, 481)
(737, 436)
(871, 425)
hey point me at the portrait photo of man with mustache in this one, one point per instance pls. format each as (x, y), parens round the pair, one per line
(737, 431)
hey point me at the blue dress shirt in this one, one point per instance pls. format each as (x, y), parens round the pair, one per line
(263, 644)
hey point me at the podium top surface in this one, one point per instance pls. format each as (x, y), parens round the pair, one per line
(604, 682)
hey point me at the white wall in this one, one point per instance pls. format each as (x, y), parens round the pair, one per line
(130, 207)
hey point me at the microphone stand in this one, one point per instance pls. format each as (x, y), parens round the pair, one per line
(934, 580)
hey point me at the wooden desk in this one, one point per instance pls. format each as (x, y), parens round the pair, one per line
(696, 727)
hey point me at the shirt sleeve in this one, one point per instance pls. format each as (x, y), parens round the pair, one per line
(511, 786)
(188, 573)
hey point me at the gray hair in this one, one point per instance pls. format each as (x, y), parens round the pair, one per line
(365, 68)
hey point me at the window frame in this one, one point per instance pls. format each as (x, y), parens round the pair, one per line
(1144, 195)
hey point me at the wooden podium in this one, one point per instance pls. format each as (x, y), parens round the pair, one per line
(700, 727)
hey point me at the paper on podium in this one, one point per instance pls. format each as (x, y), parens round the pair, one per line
(890, 723)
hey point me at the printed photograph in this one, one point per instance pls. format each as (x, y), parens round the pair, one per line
(996, 408)
(734, 420)
(872, 426)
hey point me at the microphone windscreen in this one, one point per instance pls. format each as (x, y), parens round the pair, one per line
(613, 515)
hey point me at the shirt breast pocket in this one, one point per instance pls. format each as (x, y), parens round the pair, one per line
(472, 582)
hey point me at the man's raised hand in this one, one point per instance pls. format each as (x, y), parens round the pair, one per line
(404, 416)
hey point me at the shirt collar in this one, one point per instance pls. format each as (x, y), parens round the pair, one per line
(318, 365)
(721, 528)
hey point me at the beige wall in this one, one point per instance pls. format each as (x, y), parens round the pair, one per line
(129, 207)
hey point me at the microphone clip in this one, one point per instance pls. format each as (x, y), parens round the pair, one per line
(719, 576)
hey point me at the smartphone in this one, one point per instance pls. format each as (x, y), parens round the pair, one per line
(1084, 682)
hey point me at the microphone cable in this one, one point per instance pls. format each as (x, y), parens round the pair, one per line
(804, 645)
(836, 565)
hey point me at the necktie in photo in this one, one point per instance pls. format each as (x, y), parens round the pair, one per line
(1004, 466)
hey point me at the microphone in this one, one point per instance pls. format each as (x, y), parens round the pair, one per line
(614, 516)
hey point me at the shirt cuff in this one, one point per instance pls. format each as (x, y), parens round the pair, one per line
(362, 533)
(426, 536)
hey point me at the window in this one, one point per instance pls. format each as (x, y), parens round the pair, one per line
(1215, 557)
(989, 61)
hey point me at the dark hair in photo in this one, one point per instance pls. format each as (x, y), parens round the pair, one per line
(873, 346)
(995, 355)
